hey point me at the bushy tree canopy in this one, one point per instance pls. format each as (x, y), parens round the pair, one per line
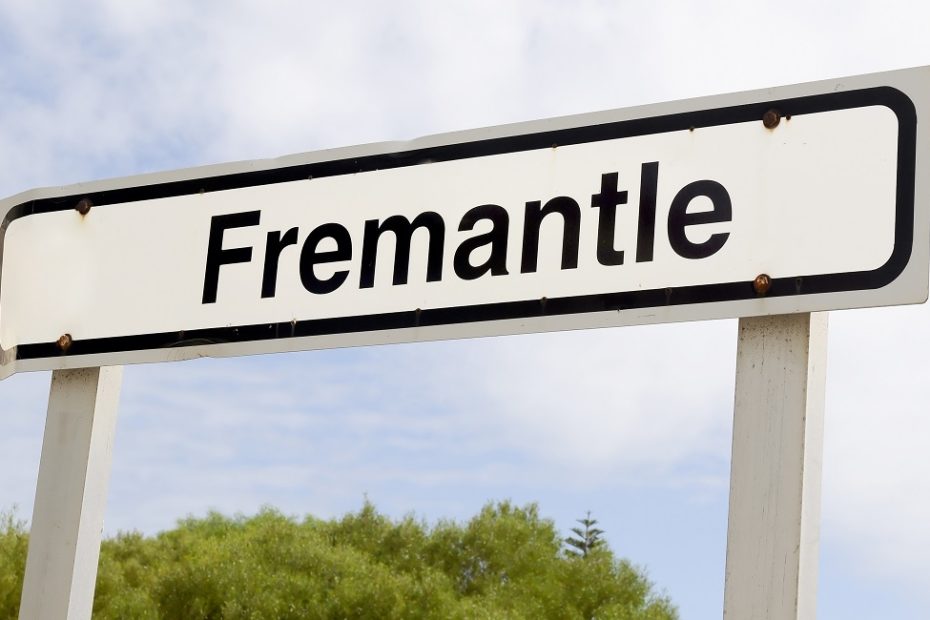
(505, 563)
(13, 545)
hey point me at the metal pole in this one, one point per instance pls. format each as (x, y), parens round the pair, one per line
(773, 534)
(71, 494)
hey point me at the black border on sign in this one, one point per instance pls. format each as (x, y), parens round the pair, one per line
(802, 284)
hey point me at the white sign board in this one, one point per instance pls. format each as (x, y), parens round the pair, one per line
(796, 199)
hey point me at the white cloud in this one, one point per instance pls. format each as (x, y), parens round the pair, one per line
(626, 402)
(877, 468)
(591, 406)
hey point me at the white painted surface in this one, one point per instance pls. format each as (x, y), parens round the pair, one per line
(809, 198)
(71, 494)
(773, 532)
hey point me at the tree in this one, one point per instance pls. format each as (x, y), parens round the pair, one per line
(505, 562)
(588, 538)
(13, 543)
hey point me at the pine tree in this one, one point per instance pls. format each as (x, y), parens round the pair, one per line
(588, 537)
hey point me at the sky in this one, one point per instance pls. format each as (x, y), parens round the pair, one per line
(630, 423)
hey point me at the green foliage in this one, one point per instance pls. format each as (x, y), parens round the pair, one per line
(505, 563)
(13, 543)
(587, 538)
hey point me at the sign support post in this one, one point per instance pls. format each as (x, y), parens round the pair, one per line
(71, 494)
(773, 532)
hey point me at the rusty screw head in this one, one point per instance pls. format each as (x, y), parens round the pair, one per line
(83, 206)
(64, 342)
(771, 119)
(762, 284)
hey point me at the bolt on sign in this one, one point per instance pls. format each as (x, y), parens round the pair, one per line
(796, 199)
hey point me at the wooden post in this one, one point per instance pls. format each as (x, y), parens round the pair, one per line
(773, 533)
(71, 494)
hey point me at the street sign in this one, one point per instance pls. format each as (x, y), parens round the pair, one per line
(795, 199)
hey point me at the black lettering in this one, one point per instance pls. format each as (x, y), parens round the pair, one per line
(646, 226)
(497, 238)
(403, 231)
(679, 218)
(310, 256)
(273, 246)
(534, 214)
(607, 201)
(217, 256)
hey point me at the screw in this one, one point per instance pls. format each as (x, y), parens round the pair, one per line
(771, 119)
(83, 206)
(762, 284)
(64, 342)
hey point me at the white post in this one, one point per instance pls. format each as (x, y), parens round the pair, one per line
(71, 494)
(773, 533)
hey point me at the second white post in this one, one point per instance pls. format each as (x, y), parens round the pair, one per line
(773, 532)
